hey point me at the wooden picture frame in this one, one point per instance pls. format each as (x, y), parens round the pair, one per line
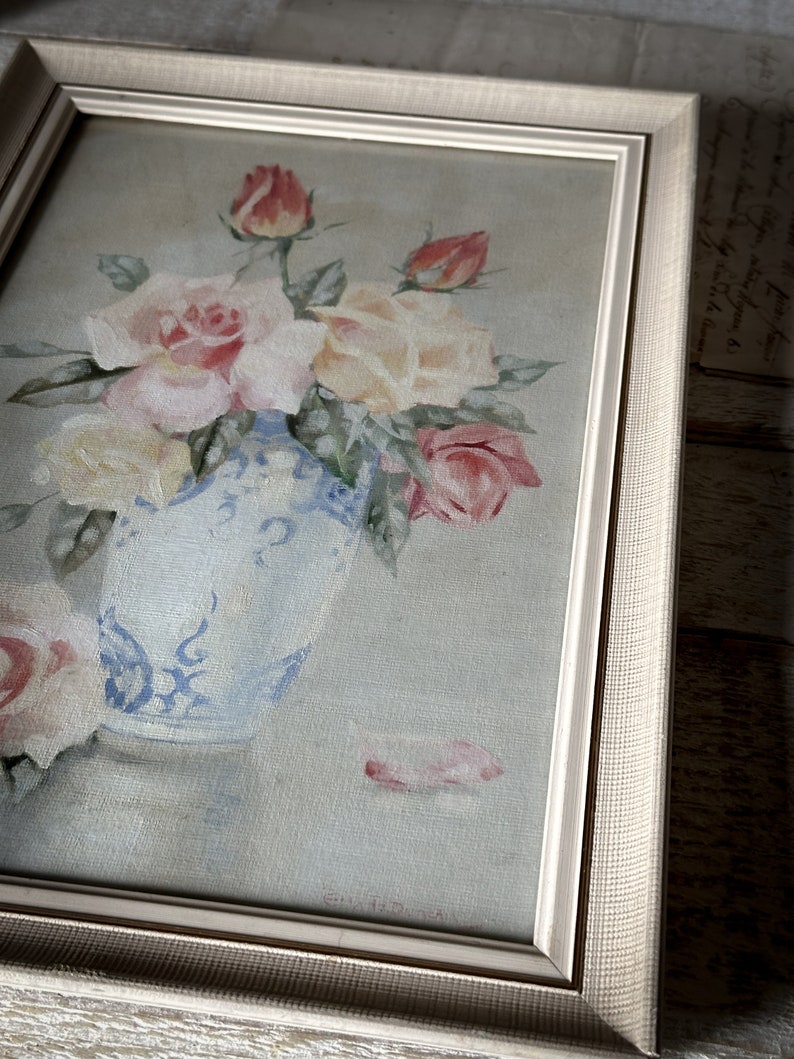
(589, 974)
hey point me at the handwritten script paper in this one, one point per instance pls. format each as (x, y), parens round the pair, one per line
(744, 257)
(745, 235)
(742, 319)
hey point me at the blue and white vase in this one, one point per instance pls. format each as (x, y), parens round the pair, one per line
(211, 604)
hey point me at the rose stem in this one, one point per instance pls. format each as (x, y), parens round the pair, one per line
(284, 247)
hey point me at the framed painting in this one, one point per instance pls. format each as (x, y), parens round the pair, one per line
(341, 429)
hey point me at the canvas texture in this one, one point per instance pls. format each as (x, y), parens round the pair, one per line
(398, 761)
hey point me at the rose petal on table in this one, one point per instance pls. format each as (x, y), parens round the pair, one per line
(401, 764)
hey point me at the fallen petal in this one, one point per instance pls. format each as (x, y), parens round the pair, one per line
(401, 764)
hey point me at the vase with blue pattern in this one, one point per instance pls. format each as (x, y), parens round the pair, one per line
(211, 604)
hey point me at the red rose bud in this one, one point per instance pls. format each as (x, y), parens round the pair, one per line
(272, 204)
(446, 264)
(473, 469)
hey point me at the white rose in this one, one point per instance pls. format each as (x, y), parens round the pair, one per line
(102, 462)
(51, 688)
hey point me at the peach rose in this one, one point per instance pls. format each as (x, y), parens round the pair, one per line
(102, 462)
(473, 469)
(202, 347)
(271, 203)
(395, 351)
(51, 688)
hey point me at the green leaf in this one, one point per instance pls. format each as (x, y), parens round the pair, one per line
(321, 286)
(241, 237)
(38, 349)
(517, 372)
(387, 517)
(125, 273)
(14, 515)
(77, 382)
(433, 415)
(75, 533)
(332, 430)
(481, 405)
(395, 435)
(399, 424)
(20, 775)
(477, 406)
(210, 445)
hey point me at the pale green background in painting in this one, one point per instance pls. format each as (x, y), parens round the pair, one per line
(463, 644)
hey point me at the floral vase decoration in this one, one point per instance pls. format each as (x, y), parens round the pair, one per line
(242, 437)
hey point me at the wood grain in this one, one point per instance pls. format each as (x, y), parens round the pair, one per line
(228, 26)
(737, 540)
(739, 411)
(39, 1024)
(730, 919)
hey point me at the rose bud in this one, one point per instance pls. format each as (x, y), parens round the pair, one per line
(446, 264)
(473, 469)
(272, 204)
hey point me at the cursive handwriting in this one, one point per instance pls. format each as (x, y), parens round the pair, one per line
(744, 256)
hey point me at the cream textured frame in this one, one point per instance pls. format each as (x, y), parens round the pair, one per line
(593, 979)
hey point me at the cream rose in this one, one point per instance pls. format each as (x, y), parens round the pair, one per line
(202, 347)
(51, 688)
(395, 351)
(102, 462)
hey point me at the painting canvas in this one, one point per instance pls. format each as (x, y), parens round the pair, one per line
(292, 440)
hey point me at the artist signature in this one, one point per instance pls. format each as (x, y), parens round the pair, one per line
(375, 905)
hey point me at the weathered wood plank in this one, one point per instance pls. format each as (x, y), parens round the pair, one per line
(226, 26)
(730, 915)
(739, 411)
(459, 37)
(737, 541)
(39, 1024)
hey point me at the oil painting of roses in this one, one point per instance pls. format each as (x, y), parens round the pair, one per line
(293, 432)
(250, 408)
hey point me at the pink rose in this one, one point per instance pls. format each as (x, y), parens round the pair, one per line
(51, 689)
(158, 394)
(203, 347)
(473, 469)
(446, 264)
(272, 203)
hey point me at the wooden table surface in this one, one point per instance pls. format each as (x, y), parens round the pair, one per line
(730, 929)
